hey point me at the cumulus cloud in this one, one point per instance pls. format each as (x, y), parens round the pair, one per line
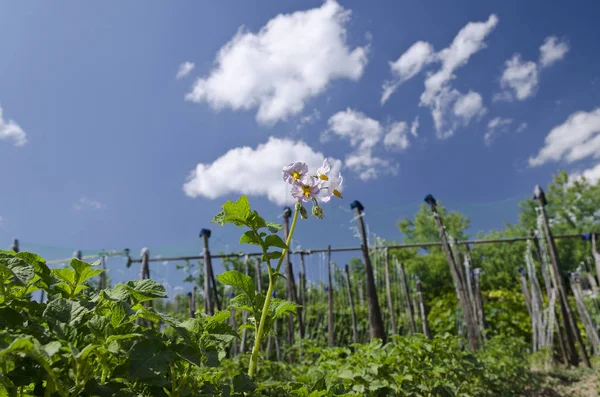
(407, 66)
(184, 69)
(552, 50)
(87, 203)
(575, 139)
(468, 106)
(592, 175)
(254, 171)
(9, 130)
(397, 136)
(363, 133)
(439, 96)
(414, 127)
(520, 79)
(291, 59)
(496, 125)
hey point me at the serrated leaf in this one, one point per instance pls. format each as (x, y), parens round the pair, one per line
(118, 314)
(238, 280)
(275, 241)
(144, 290)
(279, 308)
(242, 302)
(250, 237)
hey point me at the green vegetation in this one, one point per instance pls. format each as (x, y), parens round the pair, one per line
(130, 341)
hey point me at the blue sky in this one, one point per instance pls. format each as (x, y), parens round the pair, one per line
(103, 139)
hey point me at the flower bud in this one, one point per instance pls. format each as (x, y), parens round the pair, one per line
(318, 212)
(302, 210)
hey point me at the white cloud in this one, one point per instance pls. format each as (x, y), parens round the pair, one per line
(414, 127)
(552, 50)
(495, 125)
(468, 106)
(363, 133)
(438, 95)
(575, 139)
(397, 136)
(522, 127)
(519, 77)
(11, 130)
(592, 175)
(308, 119)
(87, 203)
(407, 66)
(254, 171)
(184, 69)
(291, 59)
(468, 41)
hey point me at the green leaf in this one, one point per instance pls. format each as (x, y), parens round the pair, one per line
(234, 212)
(279, 307)
(242, 302)
(272, 255)
(22, 270)
(275, 241)
(119, 313)
(143, 290)
(274, 227)
(238, 280)
(148, 359)
(84, 270)
(66, 311)
(250, 237)
(65, 275)
(242, 383)
(52, 348)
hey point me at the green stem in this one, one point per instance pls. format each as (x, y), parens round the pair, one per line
(265, 311)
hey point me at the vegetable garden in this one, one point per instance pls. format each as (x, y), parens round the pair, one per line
(439, 314)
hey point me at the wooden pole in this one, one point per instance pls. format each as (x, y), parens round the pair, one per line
(407, 302)
(15, 246)
(376, 328)
(388, 291)
(525, 290)
(302, 293)
(330, 319)
(103, 274)
(258, 275)
(472, 329)
(590, 329)
(568, 315)
(596, 256)
(208, 304)
(192, 302)
(562, 334)
(352, 308)
(291, 285)
(423, 310)
(361, 295)
(479, 302)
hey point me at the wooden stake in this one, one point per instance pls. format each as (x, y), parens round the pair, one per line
(208, 305)
(259, 279)
(596, 256)
(423, 310)
(590, 329)
(406, 293)
(376, 329)
(388, 291)
(479, 302)
(103, 274)
(302, 293)
(291, 285)
(245, 313)
(15, 246)
(471, 324)
(330, 323)
(563, 333)
(566, 309)
(525, 290)
(353, 309)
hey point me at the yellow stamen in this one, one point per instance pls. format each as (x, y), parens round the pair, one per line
(306, 191)
(323, 177)
(337, 193)
(295, 175)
